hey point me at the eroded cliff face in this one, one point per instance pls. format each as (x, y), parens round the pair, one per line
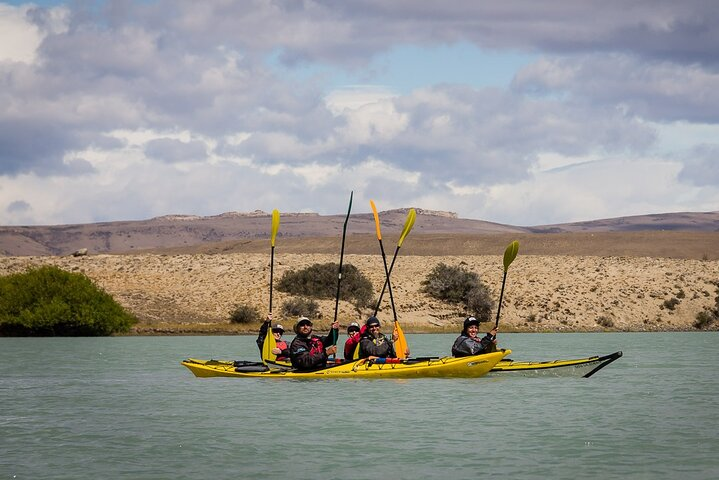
(196, 293)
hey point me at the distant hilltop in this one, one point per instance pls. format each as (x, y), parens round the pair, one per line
(262, 213)
(253, 214)
(193, 231)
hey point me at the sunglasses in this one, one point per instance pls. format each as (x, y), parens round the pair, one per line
(374, 326)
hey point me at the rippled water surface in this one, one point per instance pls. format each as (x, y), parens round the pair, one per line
(125, 408)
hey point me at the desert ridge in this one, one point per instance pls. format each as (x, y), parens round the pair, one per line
(195, 293)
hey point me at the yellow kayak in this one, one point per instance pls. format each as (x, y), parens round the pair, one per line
(473, 366)
(579, 367)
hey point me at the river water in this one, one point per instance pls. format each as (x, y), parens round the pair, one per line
(124, 407)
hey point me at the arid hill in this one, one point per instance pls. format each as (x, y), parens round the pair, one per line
(435, 233)
(185, 274)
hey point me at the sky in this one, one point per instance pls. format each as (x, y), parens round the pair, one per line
(517, 112)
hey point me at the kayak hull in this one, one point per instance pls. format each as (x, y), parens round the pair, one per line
(466, 367)
(580, 367)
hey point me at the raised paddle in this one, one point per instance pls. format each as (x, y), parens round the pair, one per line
(400, 346)
(509, 255)
(339, 272)
(270, 343)
(408, 224)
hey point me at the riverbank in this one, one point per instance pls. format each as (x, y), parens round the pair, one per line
(194, 294)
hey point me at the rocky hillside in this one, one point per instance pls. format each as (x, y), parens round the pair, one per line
(195, 293)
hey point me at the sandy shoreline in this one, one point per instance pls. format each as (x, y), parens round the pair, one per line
(194, 294)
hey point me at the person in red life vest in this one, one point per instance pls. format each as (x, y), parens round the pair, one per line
(310, 352)
(373, 344)
(282, 349)
(353, 333)
(468, 343)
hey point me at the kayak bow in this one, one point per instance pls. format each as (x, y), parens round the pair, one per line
(580, 367)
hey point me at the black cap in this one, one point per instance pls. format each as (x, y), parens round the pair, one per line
(470, 321)
(372, 321)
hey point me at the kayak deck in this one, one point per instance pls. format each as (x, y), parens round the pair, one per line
(473, 366)
(580, 367)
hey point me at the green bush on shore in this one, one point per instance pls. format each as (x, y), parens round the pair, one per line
(320, 281)
(245, 314)
(459, 285)
(49, 301)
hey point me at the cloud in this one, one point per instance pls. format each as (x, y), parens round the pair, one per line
(171, 150)
(104, 111)
(18, 206)
(659, 91)
(701, 166)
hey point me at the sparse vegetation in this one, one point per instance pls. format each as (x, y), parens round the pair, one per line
(459, 285)
(49, 301)
(245, 314)
(709, 317)
(320, 281)
(301, 307)
(605, 321)
(671, 303)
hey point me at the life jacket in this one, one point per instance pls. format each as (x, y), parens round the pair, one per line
(316, 345)
(282, 345)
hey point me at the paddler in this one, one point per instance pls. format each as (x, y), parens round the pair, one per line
(282, 349)
(353, 338)
(468, 343)
(310, 352)
(374, 344)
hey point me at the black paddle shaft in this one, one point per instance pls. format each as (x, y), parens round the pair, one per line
(501, 294)
(339, 272)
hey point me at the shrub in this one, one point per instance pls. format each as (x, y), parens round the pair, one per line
(48, 301)
(459, 285)
(705, 319)
(320, 281)
(671, 303)
(710, 316)
(605, 322)
(245, 314)
(301, 307)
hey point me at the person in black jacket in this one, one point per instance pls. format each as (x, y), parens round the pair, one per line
(468, 343)
(374, 344)
(310, 352)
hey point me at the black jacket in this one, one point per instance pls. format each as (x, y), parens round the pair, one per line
(378, 347)
(308, 353)
(465, 345)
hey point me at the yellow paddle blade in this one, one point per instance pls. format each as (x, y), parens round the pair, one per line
(510, 254)
(268, 345)
(376, 220)
(275, 226)
(400, 346)
(355, 354)
(408, 224)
